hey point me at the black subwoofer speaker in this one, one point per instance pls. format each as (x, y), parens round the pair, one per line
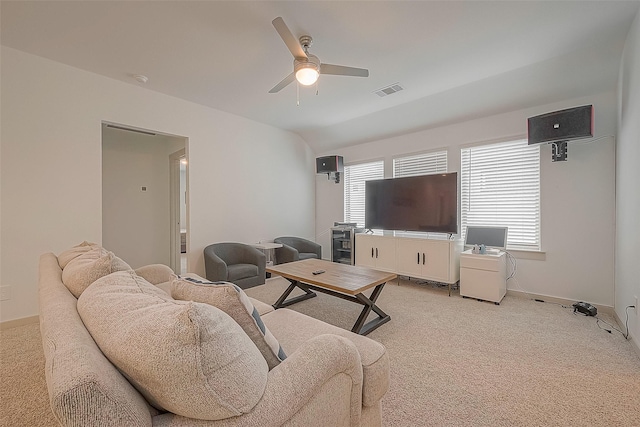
(329, 164)
(563, 125)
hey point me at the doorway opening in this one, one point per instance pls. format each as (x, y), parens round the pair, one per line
(141, 218)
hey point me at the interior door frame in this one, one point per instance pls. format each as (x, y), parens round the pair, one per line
(174, 214)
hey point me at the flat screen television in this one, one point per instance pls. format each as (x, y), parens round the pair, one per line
(427, 203)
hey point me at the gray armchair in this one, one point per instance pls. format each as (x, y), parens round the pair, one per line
(296, 248)
(237, 263)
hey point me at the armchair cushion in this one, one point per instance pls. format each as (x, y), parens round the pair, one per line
(233, 301)
(237, 272)
(185, 357)
(235, 262)
(295, 249)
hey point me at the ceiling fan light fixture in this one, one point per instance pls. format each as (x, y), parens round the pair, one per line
(307, 70)
(307, 75)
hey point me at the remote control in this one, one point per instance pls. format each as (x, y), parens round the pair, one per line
(317, 272)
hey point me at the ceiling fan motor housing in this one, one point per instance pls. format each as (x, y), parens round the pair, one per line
(306, 42)
(311, 61)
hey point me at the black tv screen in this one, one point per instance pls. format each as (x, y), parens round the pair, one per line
(427, 203)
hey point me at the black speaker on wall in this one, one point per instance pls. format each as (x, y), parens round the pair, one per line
(559, 127)
(329, 164)
(563, 125)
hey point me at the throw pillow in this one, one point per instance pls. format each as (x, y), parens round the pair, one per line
(185, 357)
(65, 257)
(233, 301)
(89, 267)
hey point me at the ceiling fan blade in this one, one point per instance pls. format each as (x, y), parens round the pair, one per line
(277, 88)
(289, 39)
(341, 70)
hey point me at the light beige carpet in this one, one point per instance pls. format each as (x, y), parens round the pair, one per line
(23, 391)
(454, 362)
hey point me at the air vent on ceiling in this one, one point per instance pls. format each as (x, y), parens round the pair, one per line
(131, 130)
(388, 90)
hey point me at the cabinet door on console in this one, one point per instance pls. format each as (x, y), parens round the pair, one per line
(377, 252)
(436, 266)
(365, 250)
(424, 258)
(386, 255)
(410, 255)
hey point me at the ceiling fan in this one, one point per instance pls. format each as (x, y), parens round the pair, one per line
(307, 67)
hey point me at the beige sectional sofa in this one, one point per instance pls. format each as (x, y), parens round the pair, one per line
(151, 359)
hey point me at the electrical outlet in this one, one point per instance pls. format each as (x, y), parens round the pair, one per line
(5, 293)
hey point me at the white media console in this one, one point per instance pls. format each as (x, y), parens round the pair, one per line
(418, 257)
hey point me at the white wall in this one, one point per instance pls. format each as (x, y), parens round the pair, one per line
(628, 183)
(136, 223)
(247, 181)
(0, 179)
(577, 196)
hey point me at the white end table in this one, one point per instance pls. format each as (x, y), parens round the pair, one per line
(483, 276)
(269, 251)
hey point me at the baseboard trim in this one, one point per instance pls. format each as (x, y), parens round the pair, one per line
(634, 342)
(8, 324)
(635, 345)
(546, 298)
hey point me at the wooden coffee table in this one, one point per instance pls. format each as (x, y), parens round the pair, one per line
(340, 280)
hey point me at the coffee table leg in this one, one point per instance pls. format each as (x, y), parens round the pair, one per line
(369, 304)
(283, 302)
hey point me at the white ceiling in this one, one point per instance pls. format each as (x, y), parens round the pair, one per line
(457, 60)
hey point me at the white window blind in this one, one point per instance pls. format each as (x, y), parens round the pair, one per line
(354, 179)
(500, 186)
(421, 164)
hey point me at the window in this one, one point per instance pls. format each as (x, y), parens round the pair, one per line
(354, 179)
(421, 164)
(500, 186)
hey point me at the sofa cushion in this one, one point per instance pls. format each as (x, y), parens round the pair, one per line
(155, 273)
(66, 256)
(165, 286)
(82, 271)
(262, 307)
(293, 329)
(185, 357)
(85, 389)
(233, 301)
